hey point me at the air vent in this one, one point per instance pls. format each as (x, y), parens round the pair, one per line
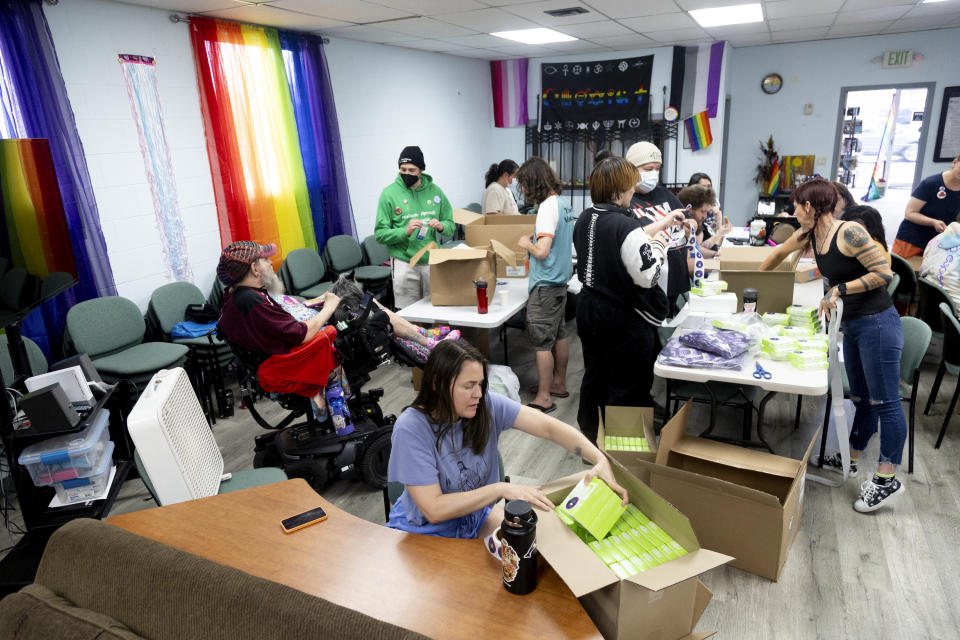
(563, 13)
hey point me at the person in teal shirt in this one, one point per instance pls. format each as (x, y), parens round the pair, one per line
(551, 266)
(411, 213)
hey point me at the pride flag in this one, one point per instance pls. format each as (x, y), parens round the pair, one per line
(34, 235)
(773, 185)
(509, 83)
(698, 131)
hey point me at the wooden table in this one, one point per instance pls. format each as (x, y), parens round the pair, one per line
(440, 587)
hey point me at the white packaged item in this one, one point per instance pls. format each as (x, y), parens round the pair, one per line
(504, 381)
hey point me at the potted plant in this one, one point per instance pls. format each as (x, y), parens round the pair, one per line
(768, 171)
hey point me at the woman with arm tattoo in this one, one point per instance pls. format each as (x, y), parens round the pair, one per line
(872, 337)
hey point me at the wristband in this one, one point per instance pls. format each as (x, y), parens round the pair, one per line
(842, 288)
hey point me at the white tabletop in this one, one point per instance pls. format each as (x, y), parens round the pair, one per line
(423, 310)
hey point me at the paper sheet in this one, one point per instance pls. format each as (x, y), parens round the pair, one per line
(56, 502)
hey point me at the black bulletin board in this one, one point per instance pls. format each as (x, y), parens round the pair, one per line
(948, 133)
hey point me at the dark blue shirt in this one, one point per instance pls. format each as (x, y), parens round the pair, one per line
(941, 204)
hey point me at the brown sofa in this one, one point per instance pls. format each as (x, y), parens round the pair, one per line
(99, 581)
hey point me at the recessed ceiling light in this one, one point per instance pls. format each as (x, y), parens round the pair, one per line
(534, 36)
(929, 1)
(722, 16)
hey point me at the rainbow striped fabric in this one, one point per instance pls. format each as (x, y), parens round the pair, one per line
(509, 83)
(36, 236)
(773, 185)
(698, 131)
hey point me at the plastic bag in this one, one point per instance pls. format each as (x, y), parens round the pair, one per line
(675, 354)
(504, 381)
(717, 341)
(188, 329)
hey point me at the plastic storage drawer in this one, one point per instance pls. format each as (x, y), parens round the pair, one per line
(83, 489)
(74, 455)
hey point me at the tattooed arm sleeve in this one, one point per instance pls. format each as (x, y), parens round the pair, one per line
(854, 241)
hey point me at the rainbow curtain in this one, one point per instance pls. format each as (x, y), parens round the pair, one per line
(258, 176)
(873, 189)
(36, 236)
(698, 131)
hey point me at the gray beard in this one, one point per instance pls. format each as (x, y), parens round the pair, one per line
(272, 283)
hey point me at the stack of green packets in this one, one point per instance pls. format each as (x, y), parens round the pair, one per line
(635, 544)
(778, 347)
(801, 316)
(594, 506)
(808, 359)
(776, 319)
(816, 342)
(730, 324)
(709, 288)
(625, 443)
(796, 332)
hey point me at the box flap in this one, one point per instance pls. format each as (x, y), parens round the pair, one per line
(717, 485)
(671, 432)
(419, 254)
(508, 255)
(749, 259)
(698, 635)
(704, 595)
(464, 216)
(679, 569)
(439, 256)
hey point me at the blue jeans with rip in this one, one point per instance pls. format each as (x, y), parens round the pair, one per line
(872, 346)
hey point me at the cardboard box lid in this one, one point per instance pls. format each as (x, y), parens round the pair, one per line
(419, 254)
(749, 259)
(679, 569)
(464, 216)
(439, 256)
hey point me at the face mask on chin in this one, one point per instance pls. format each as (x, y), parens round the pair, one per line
(409, 179)
(648, 181)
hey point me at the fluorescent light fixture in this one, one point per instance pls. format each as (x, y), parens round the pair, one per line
(534, 36)
(932, 1)
(723, 16)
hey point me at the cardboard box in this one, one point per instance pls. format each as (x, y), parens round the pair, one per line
(807, 270)
(629, 421)
(741, 502)
(416, 377)
(739, 267)
(521, 270)
(453, 272)
(479, 229)
(662, 603)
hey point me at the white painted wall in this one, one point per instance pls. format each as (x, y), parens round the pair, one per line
(88, 35)
(814, 72)
(391, 97)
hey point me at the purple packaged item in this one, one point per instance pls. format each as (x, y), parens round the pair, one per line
(720, 342)
(675, 354)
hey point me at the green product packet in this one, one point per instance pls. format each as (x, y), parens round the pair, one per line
(637, 514)
(595, 506)
(796, 332)
(602, 552)
(612, 549)
(730, 324)
(565, 519)
(640, 563)
(775, 319)
(624, 569)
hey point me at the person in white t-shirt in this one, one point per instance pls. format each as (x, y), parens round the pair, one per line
(498, 198)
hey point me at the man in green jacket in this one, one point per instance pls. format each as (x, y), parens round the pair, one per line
(411, 212)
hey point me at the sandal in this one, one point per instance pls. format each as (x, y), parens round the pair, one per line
(550, 409)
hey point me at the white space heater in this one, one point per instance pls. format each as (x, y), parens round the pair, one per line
(173, 439)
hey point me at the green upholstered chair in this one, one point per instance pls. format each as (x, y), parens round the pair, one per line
(18, 288)
(907, 289)
(215, 299)
(304, 274)
(237, 481)
(894, 283)
(56, 282)
(475, 207)
(344, 254)
(38, 361)
(949, 363)
(110, 330)
(374, 253)
(928, 307)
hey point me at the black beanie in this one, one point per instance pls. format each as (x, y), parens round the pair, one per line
(413, 155)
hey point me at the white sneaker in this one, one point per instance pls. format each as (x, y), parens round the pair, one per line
(874, 495)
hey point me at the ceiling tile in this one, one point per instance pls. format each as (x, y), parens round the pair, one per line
(797, 8)
(432, 7)
(426, 44)
(480, 40)
(358, 11)
(190, 6)
(487, 20)
(676, 35)
(578, 46)
(870, 15)
(734, 30)
(482, 54)
(268, 16)
(800, 35)
(627, 9)
(860, 29)
(591, 30)
(937, 8)
(427, 28)
(648, 24)
(368, 34)
(857, 5)
(535, 11)
(806, 22)
(687, 5)
(501, 3)
(621, 43)
(927, 22)
(750, 41)
(526, 51)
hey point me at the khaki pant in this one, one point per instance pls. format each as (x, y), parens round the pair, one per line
(409, 285)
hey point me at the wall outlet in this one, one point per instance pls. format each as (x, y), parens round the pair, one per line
(808, 109)
(821, 160)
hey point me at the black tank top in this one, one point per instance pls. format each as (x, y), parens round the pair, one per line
(838, 268)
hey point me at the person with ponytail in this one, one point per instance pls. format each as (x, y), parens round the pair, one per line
(498, 198)
(872, 336)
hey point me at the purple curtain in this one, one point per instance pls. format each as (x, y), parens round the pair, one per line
(319, 133)
(33, 88)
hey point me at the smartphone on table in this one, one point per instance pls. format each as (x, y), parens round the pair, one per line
(301, 520)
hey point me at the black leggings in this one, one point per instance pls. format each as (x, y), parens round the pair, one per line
(619, 349)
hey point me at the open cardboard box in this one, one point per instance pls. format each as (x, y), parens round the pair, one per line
(739, 267)
(807, 270)
(629, 421)
(453, 272)
(662, 603)
(740, 501)
(479, 230)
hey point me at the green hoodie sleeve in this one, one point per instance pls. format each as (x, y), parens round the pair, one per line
(446, 215)
(383, 230)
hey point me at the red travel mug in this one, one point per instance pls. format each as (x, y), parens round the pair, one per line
(481, 286)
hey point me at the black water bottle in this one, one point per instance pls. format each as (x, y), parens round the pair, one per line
(518, 533)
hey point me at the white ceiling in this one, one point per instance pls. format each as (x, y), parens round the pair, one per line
(462, 27)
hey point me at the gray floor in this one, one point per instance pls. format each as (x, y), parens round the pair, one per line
(892, 574)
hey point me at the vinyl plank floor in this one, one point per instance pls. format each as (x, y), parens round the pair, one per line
(891, 574)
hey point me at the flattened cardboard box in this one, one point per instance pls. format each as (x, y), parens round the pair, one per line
(739, 267)
(662, 603)
(479, 230)
(453, 272)
(741, 502)
(629, 421)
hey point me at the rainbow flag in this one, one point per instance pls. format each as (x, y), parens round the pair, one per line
(773, 185)
(873, 190)
(35, 235)
(698, 131)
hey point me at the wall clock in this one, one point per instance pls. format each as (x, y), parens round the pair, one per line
(771, 83)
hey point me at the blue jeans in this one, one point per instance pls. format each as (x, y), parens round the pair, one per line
(871, 355)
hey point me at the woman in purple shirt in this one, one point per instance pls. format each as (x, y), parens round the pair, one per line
(445, 450)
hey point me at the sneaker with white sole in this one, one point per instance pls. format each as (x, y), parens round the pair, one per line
(874, 494)
(834, 463)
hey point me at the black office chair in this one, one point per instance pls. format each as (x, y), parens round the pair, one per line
(932, 295)
(906, 291)
(949, 362)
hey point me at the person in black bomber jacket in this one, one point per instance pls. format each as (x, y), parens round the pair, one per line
(621, 265)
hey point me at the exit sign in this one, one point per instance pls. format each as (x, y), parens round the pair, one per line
(897, 59)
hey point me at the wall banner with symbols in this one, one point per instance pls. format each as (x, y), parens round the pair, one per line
(608, 94)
